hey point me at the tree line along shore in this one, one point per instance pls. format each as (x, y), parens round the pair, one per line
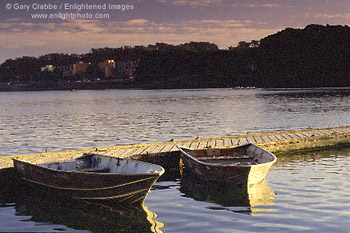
(315, 56)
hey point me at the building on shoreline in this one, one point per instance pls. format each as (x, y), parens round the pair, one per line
(109, 68)
(48, 68)
(79, 67)
(119, 68)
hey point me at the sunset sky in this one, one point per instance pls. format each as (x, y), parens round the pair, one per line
(144, 22)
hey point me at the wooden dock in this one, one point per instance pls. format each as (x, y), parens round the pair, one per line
(276, 142)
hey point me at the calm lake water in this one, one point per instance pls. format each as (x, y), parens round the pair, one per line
(35, 122)
(305, 192)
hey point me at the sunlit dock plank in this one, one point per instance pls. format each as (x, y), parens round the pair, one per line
(235, 141)
(169, 148)
(194, 145)
(227, 142)
(281, 141)
(258, 139)
(187, 144)
(242, 140)
(286, 136)
(154, 149)
(210, 143)
(250, 139)
(278, 137)
(202, 144)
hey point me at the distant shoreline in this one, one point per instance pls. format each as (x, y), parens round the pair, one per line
(316, 56)
(106, 85)
(6, 87)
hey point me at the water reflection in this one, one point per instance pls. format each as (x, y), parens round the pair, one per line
(302, 158)
(53, 213)
(307, 101)
(245, 197)
(33, 122)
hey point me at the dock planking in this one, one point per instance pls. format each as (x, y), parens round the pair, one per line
(275, 142)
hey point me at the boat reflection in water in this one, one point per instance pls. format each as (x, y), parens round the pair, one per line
(253, 199)
(80, 215)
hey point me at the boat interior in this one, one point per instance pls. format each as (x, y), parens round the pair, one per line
(242, 161)
(248, 154)
(104, 164)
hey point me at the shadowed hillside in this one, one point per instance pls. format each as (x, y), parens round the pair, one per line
(316, 56)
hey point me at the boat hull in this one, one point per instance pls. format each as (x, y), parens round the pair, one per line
(227, 171)
(93, 187)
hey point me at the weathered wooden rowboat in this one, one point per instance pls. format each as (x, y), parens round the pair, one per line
(94, 178)
(245, 164)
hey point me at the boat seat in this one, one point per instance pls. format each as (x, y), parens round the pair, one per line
(223, 157)
(93, 170)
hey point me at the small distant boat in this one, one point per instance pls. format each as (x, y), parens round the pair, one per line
(94, 178)
(242, 165)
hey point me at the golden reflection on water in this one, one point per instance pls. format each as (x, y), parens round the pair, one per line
(151, 217)
(54, 210)
(261, 195)
(252, 196)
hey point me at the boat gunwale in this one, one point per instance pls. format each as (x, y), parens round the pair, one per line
(95, 173)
